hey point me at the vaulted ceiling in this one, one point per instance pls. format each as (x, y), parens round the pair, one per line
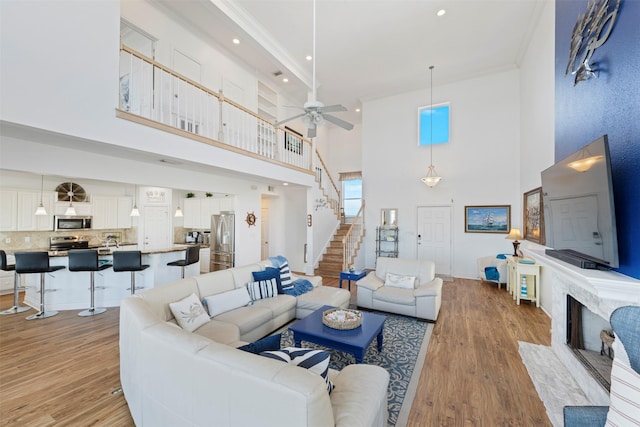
(366, 48)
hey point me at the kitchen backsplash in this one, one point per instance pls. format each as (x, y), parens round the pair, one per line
(16, 240)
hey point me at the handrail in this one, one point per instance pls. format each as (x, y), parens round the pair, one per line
(331, 193)
(352, 239)
(154, 95)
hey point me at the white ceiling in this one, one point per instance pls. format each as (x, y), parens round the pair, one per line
(366, 48)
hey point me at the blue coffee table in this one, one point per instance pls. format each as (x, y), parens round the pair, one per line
(354, 341)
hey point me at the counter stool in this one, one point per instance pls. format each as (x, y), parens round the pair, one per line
(36, 262)
(87, 260)
(192, 256)
(129, 261)
(17, 308)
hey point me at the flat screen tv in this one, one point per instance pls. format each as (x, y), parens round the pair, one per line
(579, 210)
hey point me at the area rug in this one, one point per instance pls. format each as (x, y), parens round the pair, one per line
(403, 352)
(549, 376)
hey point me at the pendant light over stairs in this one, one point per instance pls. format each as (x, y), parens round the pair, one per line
(432, 179)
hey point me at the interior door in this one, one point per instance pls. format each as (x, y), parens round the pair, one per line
(156, 227)
(434, 238)
(264, 233)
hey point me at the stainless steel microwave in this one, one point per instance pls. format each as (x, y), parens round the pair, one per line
(66, 222)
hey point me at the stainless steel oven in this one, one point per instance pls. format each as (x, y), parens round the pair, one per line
(66, 222)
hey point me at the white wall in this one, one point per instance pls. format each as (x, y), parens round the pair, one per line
(480, 164)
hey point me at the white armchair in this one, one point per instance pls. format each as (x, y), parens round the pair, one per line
(420, 298)
(500, 266)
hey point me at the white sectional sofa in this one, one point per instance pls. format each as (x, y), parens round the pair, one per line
(421, 298)
(173, 377)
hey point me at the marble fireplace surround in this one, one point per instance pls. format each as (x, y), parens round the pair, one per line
(599, 291)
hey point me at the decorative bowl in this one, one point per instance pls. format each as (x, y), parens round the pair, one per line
(342, 318)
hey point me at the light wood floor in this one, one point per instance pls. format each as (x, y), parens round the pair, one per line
(61, 371)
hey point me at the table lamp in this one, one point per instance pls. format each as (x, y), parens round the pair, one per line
(514, 234)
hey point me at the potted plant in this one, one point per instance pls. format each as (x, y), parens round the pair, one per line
(190, 195)
(208, 194)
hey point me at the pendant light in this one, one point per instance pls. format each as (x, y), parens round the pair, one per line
(41, 211)
(178, 213)
(71, 211)
(135, 211)
(432, 178)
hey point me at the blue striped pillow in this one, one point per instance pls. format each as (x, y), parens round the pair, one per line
(262, 289)
(316, 361)
(285, 276)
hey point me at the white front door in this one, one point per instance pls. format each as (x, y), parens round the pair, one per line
(434, 238)
(156, 227)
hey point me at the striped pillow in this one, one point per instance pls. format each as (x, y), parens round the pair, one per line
(316, 361)
(263, 289)
(285, 276)
(624, 408)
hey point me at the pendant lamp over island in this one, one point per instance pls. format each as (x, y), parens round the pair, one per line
(432, 179)
(41, 211)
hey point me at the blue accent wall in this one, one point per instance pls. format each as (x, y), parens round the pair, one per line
(608, 105)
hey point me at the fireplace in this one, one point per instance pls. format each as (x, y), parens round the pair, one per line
(589, 337)
(598, 294)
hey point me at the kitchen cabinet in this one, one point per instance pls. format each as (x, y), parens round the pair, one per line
(111, 212)
(205, 255)
(197, 211)
(82, 208)
(17, 210)
(8, 210)
(28, 202)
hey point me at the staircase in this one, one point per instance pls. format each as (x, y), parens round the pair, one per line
(331, 263)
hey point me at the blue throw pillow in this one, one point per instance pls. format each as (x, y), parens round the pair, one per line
(269, 273)
(270, 343)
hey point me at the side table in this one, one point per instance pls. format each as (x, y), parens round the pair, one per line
(351, 275)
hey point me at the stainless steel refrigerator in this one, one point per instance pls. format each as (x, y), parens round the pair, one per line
(222, 241)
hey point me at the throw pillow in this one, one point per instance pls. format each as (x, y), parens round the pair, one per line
(265, 344)
(316, 361)
(624, 408)
(189, 313)
(269, 273)
(399, 281)
(226, 301)
(262, 289)
(285, 276)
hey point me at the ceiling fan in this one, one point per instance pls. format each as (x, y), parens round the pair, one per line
(314, 110)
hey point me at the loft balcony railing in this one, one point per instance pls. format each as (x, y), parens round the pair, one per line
(156, 96)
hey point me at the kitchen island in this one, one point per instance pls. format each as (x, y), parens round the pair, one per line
(69, 290)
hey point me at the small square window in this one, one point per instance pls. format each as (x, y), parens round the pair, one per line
(440, 124)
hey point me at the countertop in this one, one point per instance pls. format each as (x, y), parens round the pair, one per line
(175, 248)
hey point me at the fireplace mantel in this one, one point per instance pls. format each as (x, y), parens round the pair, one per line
(600, 291)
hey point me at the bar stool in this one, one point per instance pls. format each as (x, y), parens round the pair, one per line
(192, 256)
(87, 260)
(37, 262)
(17, 308)
(129, 261)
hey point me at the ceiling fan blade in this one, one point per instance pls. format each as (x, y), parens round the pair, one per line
(332, 108)
(311, 132)
(337, 121)
(289, 119)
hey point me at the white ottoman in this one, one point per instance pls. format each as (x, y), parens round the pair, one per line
(321, 295)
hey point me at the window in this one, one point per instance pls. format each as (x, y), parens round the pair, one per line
(351, 193)
(440, 124)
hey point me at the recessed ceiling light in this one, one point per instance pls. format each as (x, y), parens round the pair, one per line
(357, 110)
(284, 79)
(441, 12)
(236, 41)
(308, 57)
(285, 183)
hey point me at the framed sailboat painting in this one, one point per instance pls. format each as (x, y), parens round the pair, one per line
(487, 219)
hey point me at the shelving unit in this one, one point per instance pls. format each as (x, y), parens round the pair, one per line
(387, 242)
